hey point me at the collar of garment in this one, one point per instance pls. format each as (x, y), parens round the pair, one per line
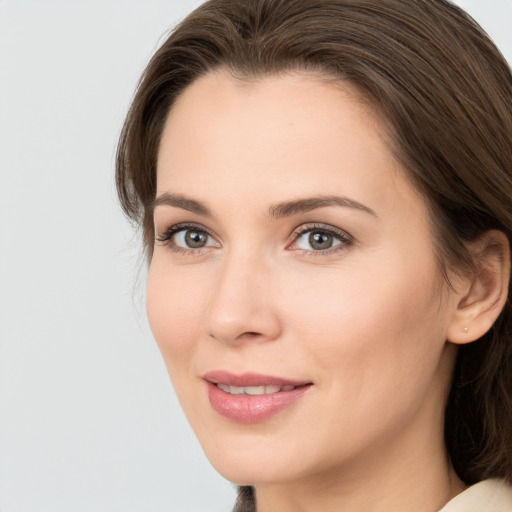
(486, 496)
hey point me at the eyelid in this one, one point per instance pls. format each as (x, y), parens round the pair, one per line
(342, 235)
(174, 228)
(166, 237)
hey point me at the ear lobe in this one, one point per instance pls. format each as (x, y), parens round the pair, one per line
(486, 290)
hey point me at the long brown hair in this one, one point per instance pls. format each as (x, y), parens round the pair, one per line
(446, 92)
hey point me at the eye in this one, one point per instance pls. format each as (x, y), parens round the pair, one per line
(317, 240)
(320, 239)
(192, 239)
(187, 238)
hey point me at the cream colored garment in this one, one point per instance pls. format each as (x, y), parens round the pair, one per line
(486, 496)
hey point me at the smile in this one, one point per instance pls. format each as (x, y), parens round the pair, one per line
(252, 398)
(254, 390)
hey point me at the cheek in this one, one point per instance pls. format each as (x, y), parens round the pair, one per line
(380, 321)
(174, 312)
(374, 341)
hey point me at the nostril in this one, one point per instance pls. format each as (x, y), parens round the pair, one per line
(249, 335)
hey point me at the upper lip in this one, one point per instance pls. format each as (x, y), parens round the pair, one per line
(249, 379)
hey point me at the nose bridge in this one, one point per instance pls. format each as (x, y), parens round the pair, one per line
(242, 305)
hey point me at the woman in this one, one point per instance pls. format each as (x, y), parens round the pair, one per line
(324, 193)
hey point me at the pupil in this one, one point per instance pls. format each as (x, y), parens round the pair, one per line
(195, 239)
(320, 241)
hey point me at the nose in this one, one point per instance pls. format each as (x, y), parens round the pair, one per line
(243, 304)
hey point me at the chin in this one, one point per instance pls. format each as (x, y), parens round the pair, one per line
(247, 470)
(243, 459)
(257, 454)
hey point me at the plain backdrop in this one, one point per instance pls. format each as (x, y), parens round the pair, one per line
(88, 419)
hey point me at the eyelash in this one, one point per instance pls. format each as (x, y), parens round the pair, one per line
(342, 236)
(166, 238)
(345, 239)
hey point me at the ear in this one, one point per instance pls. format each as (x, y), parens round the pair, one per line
(484, 291)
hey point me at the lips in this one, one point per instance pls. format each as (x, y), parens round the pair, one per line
(250, 379)
(251, 397)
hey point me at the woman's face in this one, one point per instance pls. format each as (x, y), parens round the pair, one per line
(294, 291)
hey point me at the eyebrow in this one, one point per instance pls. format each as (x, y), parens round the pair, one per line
(308, 204)
(277, 211)
(183, 202)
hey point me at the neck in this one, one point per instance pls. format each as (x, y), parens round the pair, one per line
(412, 487)
(413, 473)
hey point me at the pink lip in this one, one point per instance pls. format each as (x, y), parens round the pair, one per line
(251, 408)
(249, 379)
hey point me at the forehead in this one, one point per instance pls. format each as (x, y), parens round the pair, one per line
(294, 133)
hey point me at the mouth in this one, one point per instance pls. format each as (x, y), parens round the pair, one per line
(254, 390)
(251, 397)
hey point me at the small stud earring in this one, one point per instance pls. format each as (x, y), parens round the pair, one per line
(465, 330)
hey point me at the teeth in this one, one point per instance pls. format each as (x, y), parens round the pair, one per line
(253, 390)
(235, 390)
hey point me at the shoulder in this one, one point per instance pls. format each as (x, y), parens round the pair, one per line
(486, 496)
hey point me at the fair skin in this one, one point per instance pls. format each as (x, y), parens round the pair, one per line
(363, 319)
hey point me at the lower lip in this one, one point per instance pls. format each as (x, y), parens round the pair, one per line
(252, 408)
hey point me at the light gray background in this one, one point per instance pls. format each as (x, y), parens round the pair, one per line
(88, 419)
